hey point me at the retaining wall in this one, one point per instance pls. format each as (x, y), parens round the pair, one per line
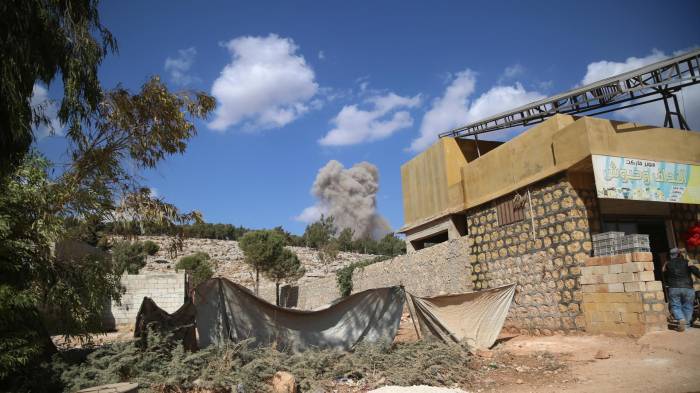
(440, 269)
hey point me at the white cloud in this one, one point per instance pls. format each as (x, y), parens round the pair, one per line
(455, 108)
(511, 72)
(311, 214)
(652, 113)
(266, 85)
(604, 69)
(354, 125)
(41, 103)
(153, 191)
(179, 66)
(321, 55)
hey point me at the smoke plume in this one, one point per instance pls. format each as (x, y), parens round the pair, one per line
(350, 197)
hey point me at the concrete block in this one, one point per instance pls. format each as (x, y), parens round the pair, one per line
(611, 297)
(635, 286)
(597, 261)
(642, 257)
(626, 277)
(644, 276)
(620, 259)
(654, 286)
(649, 266)
(615, 269)
(633, 267)
(597, 279)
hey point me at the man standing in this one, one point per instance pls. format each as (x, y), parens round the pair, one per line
(677, 274)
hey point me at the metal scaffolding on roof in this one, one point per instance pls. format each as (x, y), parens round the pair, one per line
(655, 82)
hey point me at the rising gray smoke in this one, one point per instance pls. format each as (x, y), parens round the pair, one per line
(350, 197)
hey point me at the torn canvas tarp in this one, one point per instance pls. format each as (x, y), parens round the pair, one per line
(181, 323)
(227, 311)
(475, 317)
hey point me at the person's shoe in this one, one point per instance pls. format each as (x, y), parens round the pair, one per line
(681, 325)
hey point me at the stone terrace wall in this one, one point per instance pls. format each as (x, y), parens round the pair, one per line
(228, 258)
(441, 269)
(546, 264)
(166, 289)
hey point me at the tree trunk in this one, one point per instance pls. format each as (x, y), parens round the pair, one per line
(257, 281)
(277, 293)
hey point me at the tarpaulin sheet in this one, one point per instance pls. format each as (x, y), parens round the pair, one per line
(475, 317)
(227, 311)
(181, 323)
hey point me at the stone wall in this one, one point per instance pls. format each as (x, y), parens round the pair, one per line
(620, 295)
(544, 260)
(317, 292)
(440, 269)
(166, 289)
(228, 260)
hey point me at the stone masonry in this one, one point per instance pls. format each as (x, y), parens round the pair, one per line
(166, 289)
(437, 270)
(228, 261)
(543, 254)
(620, 295)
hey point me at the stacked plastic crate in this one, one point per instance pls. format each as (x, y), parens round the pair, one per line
(614, 243)
(607, 243)
(633, 243)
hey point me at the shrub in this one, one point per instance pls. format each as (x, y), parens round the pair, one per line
(343, 277)
(158, 365)
(197, 265)
(129, 257)
(150, 247)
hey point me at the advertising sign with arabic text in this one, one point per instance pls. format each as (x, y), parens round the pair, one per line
(644, 180)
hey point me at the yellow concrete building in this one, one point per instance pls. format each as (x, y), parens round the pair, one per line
(530, 210)
(442, 183)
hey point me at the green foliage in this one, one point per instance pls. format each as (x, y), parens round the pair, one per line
(319, 233)
(322, 236)
(329, 251)
(150, 247)
(38, 289)
(42, 39)
(262, 249)
(160, 366)
(198, 265)
(286, 267)
(128, 257)
(391, 245)
(343, 277)
(345, 239)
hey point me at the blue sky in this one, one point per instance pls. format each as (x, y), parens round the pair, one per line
(301, 83)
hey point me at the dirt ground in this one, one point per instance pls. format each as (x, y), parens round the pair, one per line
(658, 362)
(666, 361)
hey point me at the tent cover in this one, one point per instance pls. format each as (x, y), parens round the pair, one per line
(475, 317)
(227, 311)
(181, 323)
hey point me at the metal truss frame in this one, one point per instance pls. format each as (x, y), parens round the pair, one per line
(655, 82)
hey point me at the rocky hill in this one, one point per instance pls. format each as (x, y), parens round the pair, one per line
(228, 259)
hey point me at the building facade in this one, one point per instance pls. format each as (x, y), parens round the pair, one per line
(529, 208)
